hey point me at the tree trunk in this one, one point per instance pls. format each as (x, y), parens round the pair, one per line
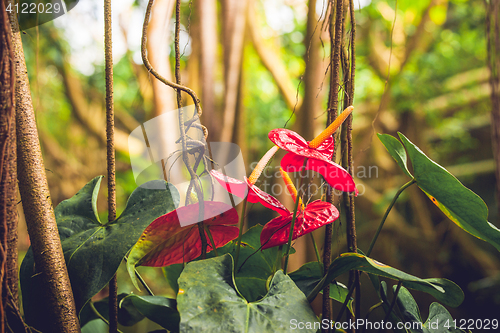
(40, 219)
(233, 49)
(207, 13)
(305, 123)
(493, 43)
(8, 175)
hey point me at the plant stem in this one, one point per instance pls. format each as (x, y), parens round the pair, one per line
(344, 305)
(393, 300)
(278, 258)
(292, 226)
(110, 154)
(150, 292)
(318, 258)
(211, 239)
(242, 222)
(404, 187)
(373, 308)
(98, 314)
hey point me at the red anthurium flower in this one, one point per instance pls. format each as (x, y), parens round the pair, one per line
(166, 242)
(315, 215)
(247, 188)
(318, 152)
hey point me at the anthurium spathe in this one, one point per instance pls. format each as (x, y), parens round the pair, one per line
(247, 187)
(166, 242)
(309, 218)
(318, 152)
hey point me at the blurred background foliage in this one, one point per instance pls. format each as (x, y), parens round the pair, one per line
(260, 64)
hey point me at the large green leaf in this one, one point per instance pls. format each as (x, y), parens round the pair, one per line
(161, 310)
(92, 250)
(439, 320)
(460, 204)
(254, 266)
(396, 150)
(443, 290)
(208, 301)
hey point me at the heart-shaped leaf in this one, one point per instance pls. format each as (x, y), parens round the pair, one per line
(208, 301)
(443, 290)
(92, 250)
(396, 150)
(456, 201)
(439, 320)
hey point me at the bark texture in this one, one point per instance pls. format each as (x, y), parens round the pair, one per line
(8, 174)
(40, 219)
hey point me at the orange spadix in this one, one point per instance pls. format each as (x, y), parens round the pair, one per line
(261, 165)
(291, 188)
(331, 129)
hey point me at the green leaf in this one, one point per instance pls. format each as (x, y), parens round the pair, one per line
(159, 309)
(93, 251)
(443, 290)
(439, 320)
(385, 305)
(254, 266)
(95, 326)
(456, 201)
(396, 150)
(308, 276)
(408, 306)
(171, 274)
(208, 301)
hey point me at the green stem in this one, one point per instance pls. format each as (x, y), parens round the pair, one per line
(150, 292)
(292, 226)
(278, 259)
(98, 314)
(211, 239)
(242, 222)
(404, 187)
(344, 305)
(373, 308)
(318, 258)
(393, 300)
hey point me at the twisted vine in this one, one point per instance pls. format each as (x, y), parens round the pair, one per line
(183, 126)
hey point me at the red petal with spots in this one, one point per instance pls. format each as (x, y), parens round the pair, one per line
(233, 186)
(315, 215)
(255, 194)
(294, 143)
(165, 242)
(333, 173)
